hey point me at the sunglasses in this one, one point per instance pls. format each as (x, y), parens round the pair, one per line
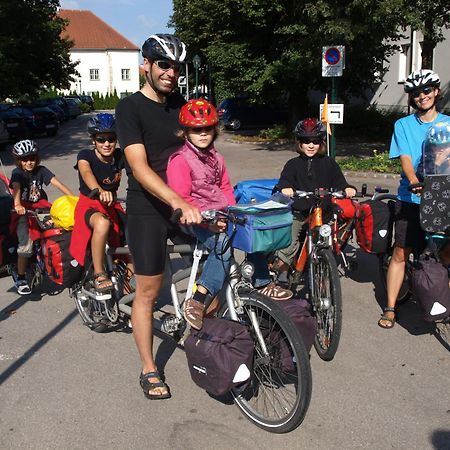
(29, 158)
(426, 90)
(315, 141)
(202, 129)
(102, 140)
(167, 65)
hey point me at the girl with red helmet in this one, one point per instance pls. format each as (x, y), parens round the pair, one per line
(311, 170)
(197, 172)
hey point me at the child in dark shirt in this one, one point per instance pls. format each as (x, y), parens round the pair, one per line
(27, 181)
(311, 170)
(98, 220)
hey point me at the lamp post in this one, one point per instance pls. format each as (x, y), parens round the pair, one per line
(196, 61)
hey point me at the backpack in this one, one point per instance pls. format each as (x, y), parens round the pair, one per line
(373, 226)
(300, 313)
(61, 268)
(251, 191)
(220, 355)
(431, 289)
(435, 204)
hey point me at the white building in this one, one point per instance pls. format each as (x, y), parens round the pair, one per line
(389, 94)
(107, 61)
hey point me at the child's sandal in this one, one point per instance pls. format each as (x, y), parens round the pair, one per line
(101, 282)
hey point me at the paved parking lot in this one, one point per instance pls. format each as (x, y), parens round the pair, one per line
(63, 386)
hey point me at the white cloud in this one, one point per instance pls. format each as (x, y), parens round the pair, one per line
(69, 4)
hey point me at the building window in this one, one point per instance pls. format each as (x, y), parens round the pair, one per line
(125, 74)
(404, 62)
(94, 74)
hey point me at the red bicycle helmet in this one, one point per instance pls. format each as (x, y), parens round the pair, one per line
(197, 113)
(310, 128)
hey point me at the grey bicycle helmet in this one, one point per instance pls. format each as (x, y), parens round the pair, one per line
(102, 123)
(164, 46)
(310, 128)
(24, 148)
(421, 78)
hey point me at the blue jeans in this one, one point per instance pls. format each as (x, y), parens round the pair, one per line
(217, 265)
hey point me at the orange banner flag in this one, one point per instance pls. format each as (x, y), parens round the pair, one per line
(324, 117)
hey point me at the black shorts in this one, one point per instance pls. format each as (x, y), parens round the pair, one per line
(408, 232)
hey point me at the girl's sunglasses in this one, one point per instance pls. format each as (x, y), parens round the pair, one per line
(102, 140)
(202, 129)
(29, 158)
(426, 91)
(167, 65)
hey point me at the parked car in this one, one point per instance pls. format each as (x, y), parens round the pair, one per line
(74, 106)
(57, 109)
(26, 121)
(4, 135)
(237, 113)
(88, 100)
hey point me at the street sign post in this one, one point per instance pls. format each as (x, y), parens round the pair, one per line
(333, 58)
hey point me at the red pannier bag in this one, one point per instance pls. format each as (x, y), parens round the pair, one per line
(345, 206)
(60, 266)
(373, 226)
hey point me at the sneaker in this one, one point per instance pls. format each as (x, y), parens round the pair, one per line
(193, 312)
(275, 292)
(22, 287)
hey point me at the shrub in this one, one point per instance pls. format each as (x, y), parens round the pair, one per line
(379, 162)
(276, 132)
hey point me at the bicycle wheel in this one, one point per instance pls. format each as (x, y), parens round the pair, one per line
(326, 300)
(277, 396)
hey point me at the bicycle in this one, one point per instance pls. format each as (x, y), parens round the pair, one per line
(275, 399)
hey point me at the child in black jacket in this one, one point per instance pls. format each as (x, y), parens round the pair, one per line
(311, 170)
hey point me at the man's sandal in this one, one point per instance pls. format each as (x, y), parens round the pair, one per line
(148, 387)
(101, 282)
(390, 320)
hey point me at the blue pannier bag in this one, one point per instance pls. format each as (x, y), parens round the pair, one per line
(260, 227)
(251, 191)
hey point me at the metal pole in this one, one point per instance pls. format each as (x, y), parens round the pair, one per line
(196, 82)
(333, 128)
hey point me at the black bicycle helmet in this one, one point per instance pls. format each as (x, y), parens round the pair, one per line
(24, 148)
(164, 46)
(421, 78)
(310, 128)
(102, 123)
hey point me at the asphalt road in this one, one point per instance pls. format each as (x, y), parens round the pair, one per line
(63, 386)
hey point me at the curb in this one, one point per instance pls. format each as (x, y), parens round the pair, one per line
(385, 176)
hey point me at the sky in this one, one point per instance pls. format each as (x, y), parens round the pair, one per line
(134, 19)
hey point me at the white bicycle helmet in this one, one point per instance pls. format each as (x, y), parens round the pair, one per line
(24, 148)
(421, 78)
(164, 46)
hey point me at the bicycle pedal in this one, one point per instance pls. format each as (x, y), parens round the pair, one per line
(102, 296)
(170, 324)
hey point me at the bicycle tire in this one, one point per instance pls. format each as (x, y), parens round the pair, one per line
(327, 304)
(277, 396)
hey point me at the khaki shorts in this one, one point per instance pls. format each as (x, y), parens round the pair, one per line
(25, 247)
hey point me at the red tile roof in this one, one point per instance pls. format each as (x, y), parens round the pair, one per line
(88, 31)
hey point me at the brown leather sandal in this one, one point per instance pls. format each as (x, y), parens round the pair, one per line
(101, 282)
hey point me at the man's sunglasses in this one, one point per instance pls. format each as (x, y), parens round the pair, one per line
(315, 141)
(167, 65)
(426, 90)
(102, 140)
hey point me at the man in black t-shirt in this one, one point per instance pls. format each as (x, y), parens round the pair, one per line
(146, 124)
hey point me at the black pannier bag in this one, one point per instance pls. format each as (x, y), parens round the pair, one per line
(431, 289)
(373, 226)
(220, 355)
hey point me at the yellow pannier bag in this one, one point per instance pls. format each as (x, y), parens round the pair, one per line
(63, 211)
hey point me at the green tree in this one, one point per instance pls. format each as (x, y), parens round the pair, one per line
(272, 49)
(33, 56)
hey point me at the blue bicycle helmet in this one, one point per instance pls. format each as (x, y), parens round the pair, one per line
(439, 134)
(102, 123)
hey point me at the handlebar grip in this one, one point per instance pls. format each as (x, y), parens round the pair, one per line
(176, 216)
(364, 190)
(380, 190)
(95, 193)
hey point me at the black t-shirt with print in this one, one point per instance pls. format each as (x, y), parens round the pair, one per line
(31, 183)
(108, 175)
(143, 121)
